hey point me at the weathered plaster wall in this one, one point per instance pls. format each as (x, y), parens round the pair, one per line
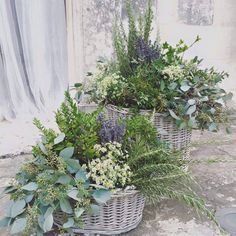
(213, 20)
(98, 18)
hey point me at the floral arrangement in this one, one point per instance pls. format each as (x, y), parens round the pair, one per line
(77, 169)
(156, 76)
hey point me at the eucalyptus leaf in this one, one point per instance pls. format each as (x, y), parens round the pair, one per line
(8, 209)
(29, 198)
(191, 110)
(81, 174)
(41, 221)
(101, 195)
(174, 115)
(191, 102)
(48, 223)
(19, 225)
(69, 223)
(67, 152)
(65, 206)
(79, 212)
(73, 194)
(32, 186)
(64, 179)
(43, 148)
(73, 165)
(59, 138)
(48, 212)
(17, 208)
(185, 87)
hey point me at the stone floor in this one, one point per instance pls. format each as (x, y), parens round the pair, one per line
(214, 167)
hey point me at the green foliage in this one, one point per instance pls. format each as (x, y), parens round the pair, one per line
(132, 35)
(148, 18)
(158, 175)
(126, 44)
(155, 76)
(66, 169)
(180, 89)
(80, 128)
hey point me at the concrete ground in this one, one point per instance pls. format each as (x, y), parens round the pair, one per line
(214, 167)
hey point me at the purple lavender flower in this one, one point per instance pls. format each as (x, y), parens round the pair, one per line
(146, 51)
(110, 132)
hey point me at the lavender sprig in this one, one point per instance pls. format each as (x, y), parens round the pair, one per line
(147, 52)
(110, 132)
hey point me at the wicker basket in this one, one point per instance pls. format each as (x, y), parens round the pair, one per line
(179, 139)
(122, 213)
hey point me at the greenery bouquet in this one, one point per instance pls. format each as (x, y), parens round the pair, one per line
(77, 170)
(147, 75)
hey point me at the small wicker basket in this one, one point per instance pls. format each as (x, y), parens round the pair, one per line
(122, 213)
(179, 139)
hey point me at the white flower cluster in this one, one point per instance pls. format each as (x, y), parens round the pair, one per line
(109, 169)
(101, 81)
(173, 72)
(104, 84)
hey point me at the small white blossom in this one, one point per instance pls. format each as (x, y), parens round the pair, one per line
(173, 72)
(110, 170)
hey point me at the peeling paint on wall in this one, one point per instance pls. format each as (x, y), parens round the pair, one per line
(196, 12)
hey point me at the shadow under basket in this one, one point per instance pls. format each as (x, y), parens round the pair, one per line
(178, 139)
(122, 213)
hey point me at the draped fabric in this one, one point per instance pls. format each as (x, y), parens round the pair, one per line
(33, 56)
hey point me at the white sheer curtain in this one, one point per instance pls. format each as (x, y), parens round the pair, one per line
(33, 56)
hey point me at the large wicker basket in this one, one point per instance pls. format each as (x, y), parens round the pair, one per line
(122, 213)
(178, 139)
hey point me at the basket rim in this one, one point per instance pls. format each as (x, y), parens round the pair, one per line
(126, 111)
(123, 193)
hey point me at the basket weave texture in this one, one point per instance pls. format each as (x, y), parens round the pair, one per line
(122, 213)
(178, 139)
